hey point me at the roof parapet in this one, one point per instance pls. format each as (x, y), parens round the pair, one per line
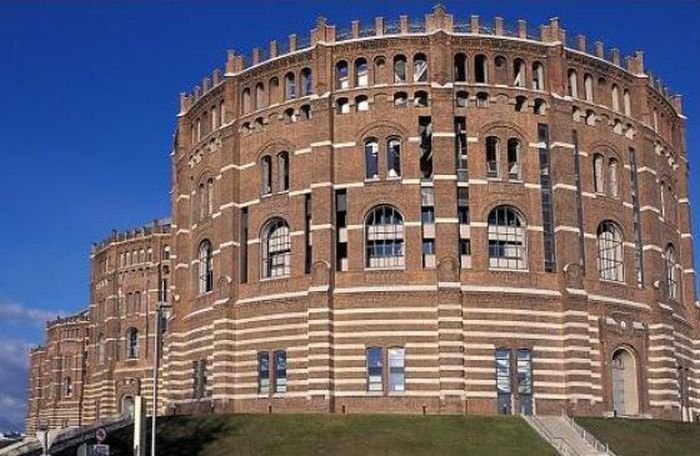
(157, 226)
(437, 19)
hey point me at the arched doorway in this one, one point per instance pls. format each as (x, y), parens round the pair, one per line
(624, 383)
(128, 406)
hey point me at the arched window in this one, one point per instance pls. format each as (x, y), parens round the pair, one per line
(671, 272)
(379, 66)
(462, 99)
(480, 70)
(627, 102)
(598, 176)
(500, 64)
(520, 103)
(384, 234)
(420, 99)
(613, 178)
(206, 198)
(273, 89)
(362, 103)
(305, 112)
(492, 156)
(276, 255)
(342, 106)
(215, 118)
(260, 98)
(506, 234)
(289, 116)
(590, 117)
(588, 87)
(341, 75)
(361, 72)
(371, 159)
(482, 100)
(518, 73)
(399, 68)
(615, 94)
(132, 343)
(460, 67)
(290, 86)
(537, 76)
(610, 252)
(572, 87)
(206, 267)
(246, 100)
(283, 168)
(539, 106)
(68, 387)
(307, 82)
(393, 157)
(101, 349)
(420, 68)
(513, 158)
(400, 99)
(266, 174)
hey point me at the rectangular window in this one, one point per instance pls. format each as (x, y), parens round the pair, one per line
(465, 247)
(524, 369)
(243, 267)
(428, 215)
(546, 194)
(463, 205)
(371, 160)
(308, 254)
(460, 126)
(263, 373)
(374, 370)
(425, 131)
(280, 371)
(636, 219)
(503, 381)
(397, 367)
(341, 223)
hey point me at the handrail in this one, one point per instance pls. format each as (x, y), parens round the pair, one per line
(561, 445)
(587, 436)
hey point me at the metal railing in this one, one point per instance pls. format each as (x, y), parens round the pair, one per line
(561, 445)
(587, 436)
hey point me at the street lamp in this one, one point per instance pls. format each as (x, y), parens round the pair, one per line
(161, 307)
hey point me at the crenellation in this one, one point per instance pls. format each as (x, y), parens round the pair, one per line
(599, 50)
(498, 26)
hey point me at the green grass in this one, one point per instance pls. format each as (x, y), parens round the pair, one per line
(645, 437)
(340, 435)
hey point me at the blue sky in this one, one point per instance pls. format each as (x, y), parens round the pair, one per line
(89, 99)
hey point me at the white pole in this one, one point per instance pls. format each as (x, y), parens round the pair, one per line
(156, 360)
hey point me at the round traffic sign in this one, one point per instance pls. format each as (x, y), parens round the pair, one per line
(101, 434)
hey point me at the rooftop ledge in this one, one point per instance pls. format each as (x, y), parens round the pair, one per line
(438, 20)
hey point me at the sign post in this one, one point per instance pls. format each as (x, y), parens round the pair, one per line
(100, 449)
(139, 426)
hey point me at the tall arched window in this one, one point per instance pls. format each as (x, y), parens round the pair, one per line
(598, 177)
(210, 195)
(506, 234)
(101, 349)
(307, 82)
(500, 64)
(290, 86)
(393, 157)
(260, 98)
(627, 102)
(273, 91)
(460, 67)
(384, 234)
(613, 178)
(206, 267)
(420, 68)
(132, 343)
(371, 159)
(615, 95)
(246, 100)
(537, 76)
(513, 158)
(492, 156)
(610, 252)
(361, 72)
(283, 168)
(588, 87)
(399, 68)
(480, 69)
(266, 174)
(518, 73)
(572, 87)
(341, 75)
(671, 272)
(276, 255)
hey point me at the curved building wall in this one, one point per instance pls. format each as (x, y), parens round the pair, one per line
(557, 255)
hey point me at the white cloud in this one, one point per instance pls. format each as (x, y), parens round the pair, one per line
(18, 313)
(13, 383)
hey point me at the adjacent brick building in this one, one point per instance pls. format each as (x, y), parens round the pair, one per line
(427, 216)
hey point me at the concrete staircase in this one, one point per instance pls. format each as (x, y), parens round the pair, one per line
(567, 437)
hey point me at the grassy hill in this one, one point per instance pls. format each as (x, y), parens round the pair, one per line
(645, 437)
(340, 435)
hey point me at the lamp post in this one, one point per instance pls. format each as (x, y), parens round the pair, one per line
(160, 307)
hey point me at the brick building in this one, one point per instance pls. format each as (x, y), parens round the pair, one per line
(427, 216)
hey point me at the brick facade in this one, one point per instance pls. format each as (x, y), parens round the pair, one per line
(583, 158)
